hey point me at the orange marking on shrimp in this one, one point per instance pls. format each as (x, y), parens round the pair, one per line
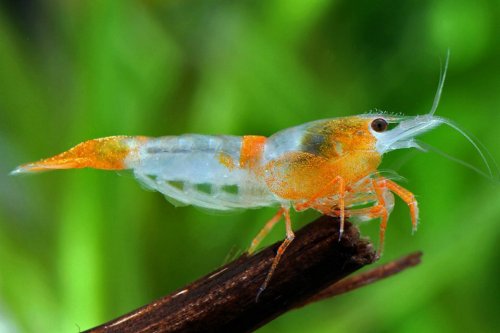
(227, 161)
(106, 153)
(252, 147)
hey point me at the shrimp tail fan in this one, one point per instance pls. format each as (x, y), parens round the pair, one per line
(109, 153)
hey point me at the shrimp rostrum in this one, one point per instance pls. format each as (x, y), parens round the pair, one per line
(327, 165)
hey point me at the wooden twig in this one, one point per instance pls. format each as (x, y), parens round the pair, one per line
(366, 278)
(224, 301)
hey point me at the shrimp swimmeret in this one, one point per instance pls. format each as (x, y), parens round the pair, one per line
(327, 165)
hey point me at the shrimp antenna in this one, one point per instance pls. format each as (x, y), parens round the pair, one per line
(485, 155)
(442, 77)
(428, 147)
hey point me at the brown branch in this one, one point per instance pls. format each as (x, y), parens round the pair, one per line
(225, 299)
(366, 278)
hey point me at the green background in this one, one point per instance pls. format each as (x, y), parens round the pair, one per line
(80, 247)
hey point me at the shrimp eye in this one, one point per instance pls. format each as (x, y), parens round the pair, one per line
(379, 125)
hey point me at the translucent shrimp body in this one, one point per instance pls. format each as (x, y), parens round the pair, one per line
(327, 165)
(229, 172)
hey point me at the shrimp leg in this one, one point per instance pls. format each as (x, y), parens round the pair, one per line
(378, 211)
(383, 207)
(264, 231)
(381, 211)
(405, 195)
(323, 192)
(288, 240)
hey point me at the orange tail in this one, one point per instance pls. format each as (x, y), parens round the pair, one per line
(106, 153)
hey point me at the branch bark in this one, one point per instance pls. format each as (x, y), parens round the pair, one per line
(224, 301)
(363, 279)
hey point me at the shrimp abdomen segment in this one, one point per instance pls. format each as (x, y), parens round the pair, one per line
(207, 171)
(195, 158)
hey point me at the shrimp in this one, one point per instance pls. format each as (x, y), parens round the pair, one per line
(329, 165)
